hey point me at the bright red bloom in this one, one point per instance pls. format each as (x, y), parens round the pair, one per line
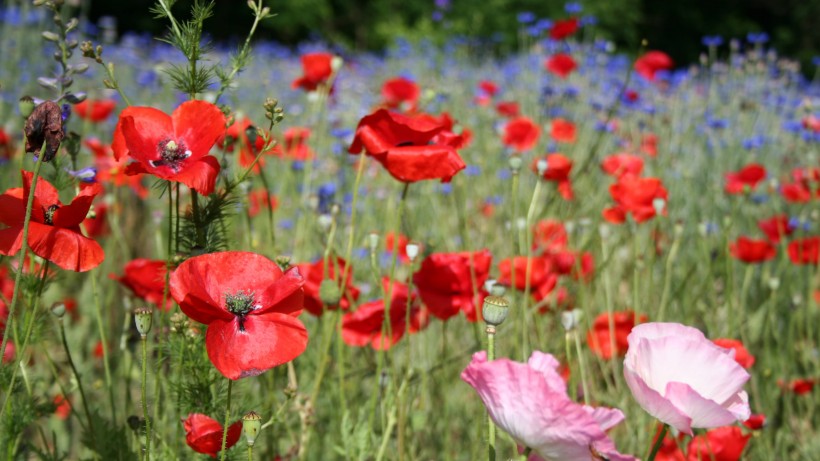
(669, 450)
(54, 230)
(250, 307)
(543, 276)
(403, 146)
(296, 146)
(172, 147)
(652, 62)
(400, 93)
(599, 339)
(447, 136)
(622, 164)
(635, 195)
(95, 110)
(259, 199)
(796, 192)
(6, 145)
(752, 251)
(445, 283)
(721, 444)
(521, 134)
(566, 263)
(62, 408)
(800, 386)
(488, 87)
(97, 225)
(563, 28)
(747, 178)
(560, 64)
(558, 171)
(111, 170)
(204, 434)
(391, 242)
(756, 422)
(805, 250)
(563, 131)
(314, 273)
(649, 145)
(248, 150)
(742, 355)
(317, 68)
(811, 123)
(550, 235)
(11, 352)
(508, 109)
(364, 327)
(146, 279)
(776, 227)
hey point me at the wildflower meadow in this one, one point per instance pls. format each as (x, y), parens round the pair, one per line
(242, 250)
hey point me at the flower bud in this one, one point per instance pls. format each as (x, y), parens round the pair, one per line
(495, 310)
(143, 318)
(571, 319)
(515, 164)
(542, 165)
(58, 309)
(659, 205)
(373, 241)
(412, 251)
(251, 425)
(336, 63)
(283, 262)
(329, 292)
(26, 106)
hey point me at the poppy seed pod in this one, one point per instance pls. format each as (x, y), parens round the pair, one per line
(329, 292)
(143, 319)
(251, 425)
(58, 309)
(515, 163)
(45, 127)
(495, 310)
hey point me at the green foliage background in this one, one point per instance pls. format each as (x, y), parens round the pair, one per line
(672, 26)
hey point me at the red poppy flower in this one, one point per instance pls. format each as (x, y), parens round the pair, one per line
(563, 131)
(445, 282)
(649, 145)
(54, 231)
(508, 109)
(721, 444)
(314, 274)
(391, 242)
(364, 326)
(800, 386)
(488, 87)
(204, 434)
(95, 110)
(742, 355)
(550, 235)
(248, 150)
(403, 146)
(566, 262)
(521, 134)
(560, 64)
(250, 307)
(805, 250)
(11, 352)
(400, 93)
(635, 195)
(111, 170)
(752, 251)
(62, 408)
(146, 279)
(97, 225)
(447, 136)
(558, 170)
(651, 62)
(669, 451)
(746, 178)
(776, 227)
(317, 68)
(260, 199)
(563, 28)
(295, 145)
(99, 352)
(599, 339)
(756, 422)
(622, 164)
(796, 192)
(543, 277)
(6, 145)
(172, 147)
(811, 123)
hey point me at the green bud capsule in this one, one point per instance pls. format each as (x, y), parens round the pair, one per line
(26, 105)
(143, 318)
(58, 309)
(251, 425)
(329, 292)
(515, 163)
(495, 310)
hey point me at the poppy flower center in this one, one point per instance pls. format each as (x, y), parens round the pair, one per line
(171, 154)
(48, 215)
(240, 304)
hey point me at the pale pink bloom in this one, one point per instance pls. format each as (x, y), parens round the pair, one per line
(683, 379)
(530, 402)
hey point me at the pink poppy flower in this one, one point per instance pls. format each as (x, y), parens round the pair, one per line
(683, 379)
(530, 402)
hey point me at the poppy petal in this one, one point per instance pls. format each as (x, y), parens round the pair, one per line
(74, 213)
(142, 128)
(11, 240)
(66, 248)
(198, 124)
(199, 175)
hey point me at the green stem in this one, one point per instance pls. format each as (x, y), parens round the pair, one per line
(223, 451)
(250, 452)
(147, 418)
(658, 443)
(524, 304)
(200, 236)
(79, 387)
(582, 366)
(491, 454)
(104, 340)
(19, 275)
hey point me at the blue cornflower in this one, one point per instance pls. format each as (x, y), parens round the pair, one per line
(757, 37)
(526, 17)
(712, 40)
(573, 7)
